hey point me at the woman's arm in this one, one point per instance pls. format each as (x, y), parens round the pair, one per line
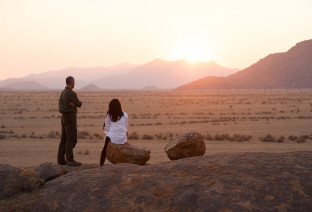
(126, 122)
(107, 124)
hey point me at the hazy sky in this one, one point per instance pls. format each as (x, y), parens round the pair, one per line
(42, 35)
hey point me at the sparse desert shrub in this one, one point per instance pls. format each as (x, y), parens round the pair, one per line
(147, 137)
(305, 136)
(86, 152)
(33, 135)
(133, 136)
(2, 136)
(83, 134)
(158, 136)
(53, 134)
(240, 138)
(301, 140)
(98, 136)
(208, 137)
(218, 137)
(281, 139)
(292, 138)
(2, 126)
(226, 136)
(268, 138)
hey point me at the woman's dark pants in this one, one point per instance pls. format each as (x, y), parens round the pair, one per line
(103, 154)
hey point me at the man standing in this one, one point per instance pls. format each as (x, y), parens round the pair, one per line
(68, 104)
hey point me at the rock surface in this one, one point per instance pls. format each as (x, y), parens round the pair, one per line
(50, 171)
(189, 144)
(224, 182)
(127, 153)
(14, 180)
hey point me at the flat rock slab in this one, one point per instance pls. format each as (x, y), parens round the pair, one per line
(224, 182)
(190, 144)
(127, 153)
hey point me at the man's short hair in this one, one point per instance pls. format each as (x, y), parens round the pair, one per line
(69, 80)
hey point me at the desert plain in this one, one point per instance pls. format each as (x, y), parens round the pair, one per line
(230, 121)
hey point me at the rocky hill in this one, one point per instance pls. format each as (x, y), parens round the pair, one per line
(90, 87)
(224, 182)
(25, 85)
(291, 69)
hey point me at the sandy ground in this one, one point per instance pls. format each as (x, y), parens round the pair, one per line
(30, 121)
(33, 153)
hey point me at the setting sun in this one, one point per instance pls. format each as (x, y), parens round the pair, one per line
(192, 48)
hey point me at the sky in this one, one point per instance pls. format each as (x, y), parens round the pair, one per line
(43, 35)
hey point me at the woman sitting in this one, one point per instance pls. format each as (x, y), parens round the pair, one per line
(115, 127)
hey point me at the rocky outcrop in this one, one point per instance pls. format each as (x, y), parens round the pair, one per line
(14, 180)
(127, 153)
(224, 182)
(189, 144)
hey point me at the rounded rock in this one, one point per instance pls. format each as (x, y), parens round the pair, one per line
(127, 153)
(189, 144)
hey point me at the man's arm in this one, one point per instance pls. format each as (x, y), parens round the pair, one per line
(74, 100)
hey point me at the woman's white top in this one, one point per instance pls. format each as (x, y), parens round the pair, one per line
(117, 131)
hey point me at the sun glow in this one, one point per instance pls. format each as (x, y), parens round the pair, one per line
(193, 49)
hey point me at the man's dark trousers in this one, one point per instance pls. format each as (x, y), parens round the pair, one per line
(68, 138)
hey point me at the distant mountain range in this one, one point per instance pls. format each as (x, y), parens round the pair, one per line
(155, 74)
(21, 85)
(163, 74)
(56, 79)
(291, 69)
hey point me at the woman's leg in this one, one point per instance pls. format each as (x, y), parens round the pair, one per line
(103, 154)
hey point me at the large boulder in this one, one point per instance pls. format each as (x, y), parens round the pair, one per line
(223, 182)
(127, 153)
(189, 144)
